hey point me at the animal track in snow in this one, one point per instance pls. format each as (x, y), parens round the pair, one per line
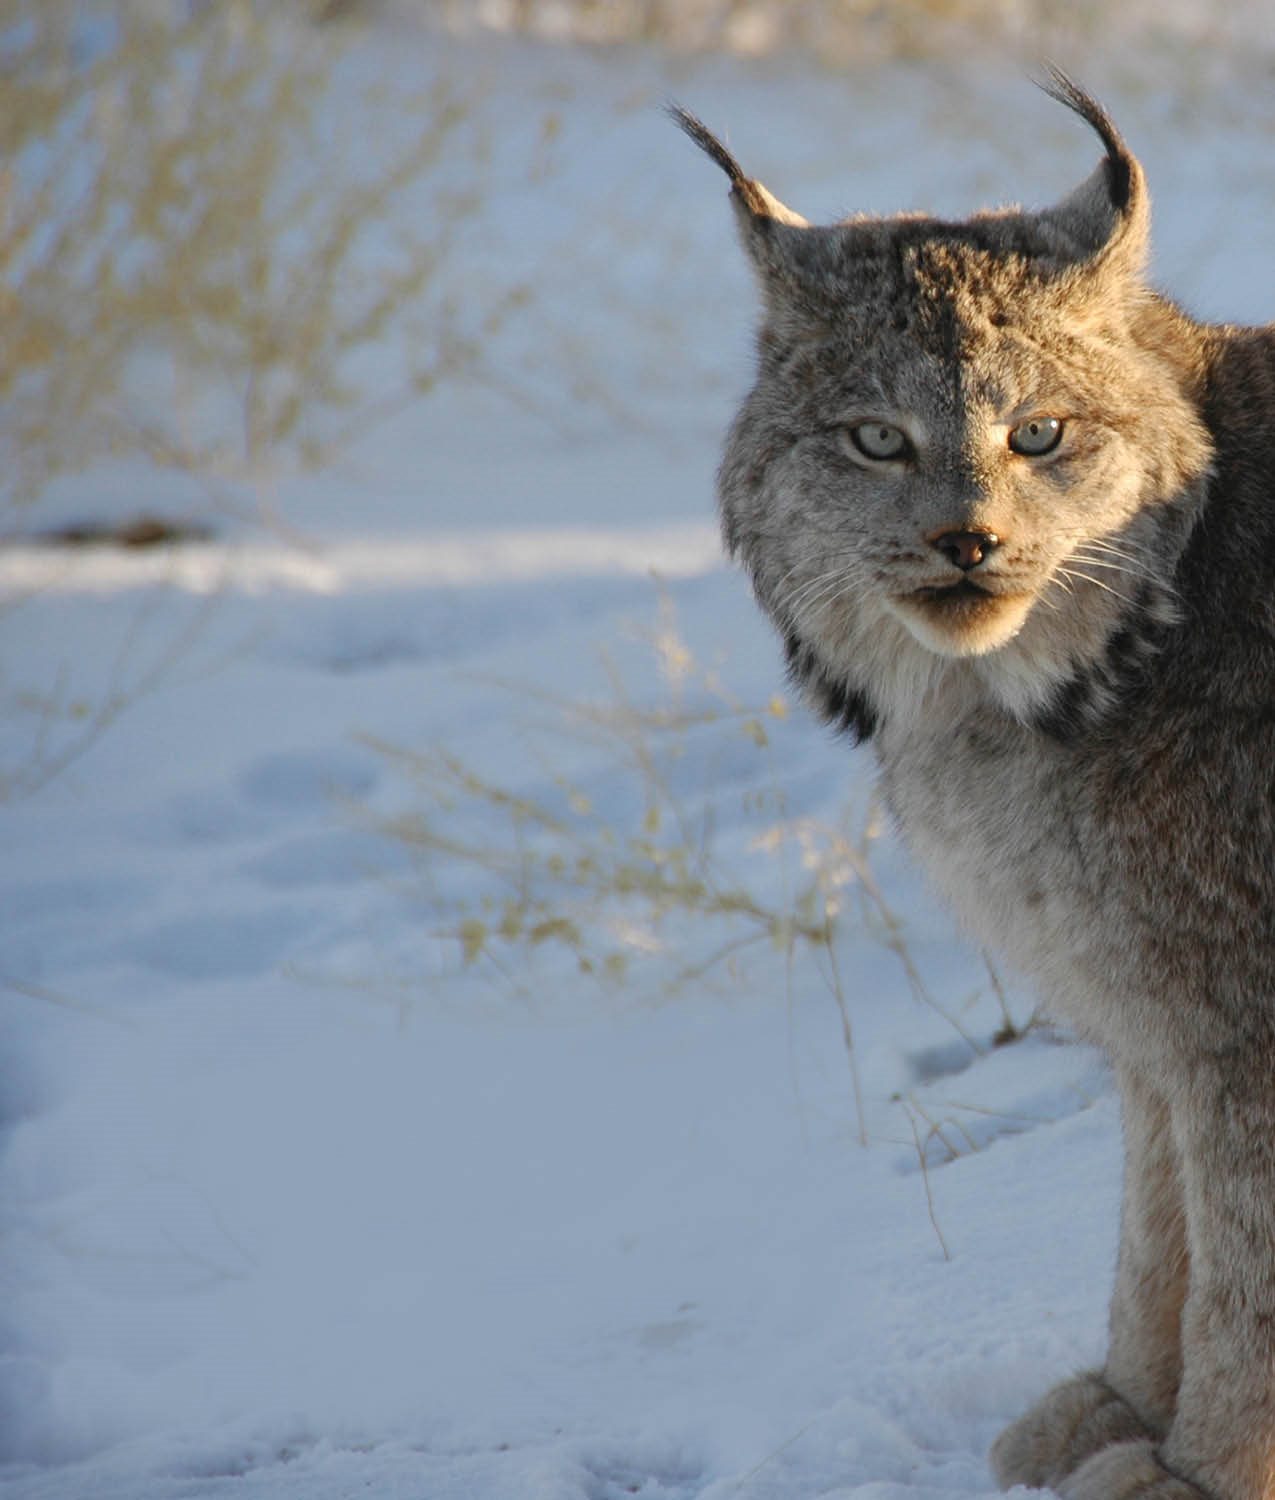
(993, 1104)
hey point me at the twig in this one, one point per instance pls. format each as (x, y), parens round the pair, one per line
(925, 1178)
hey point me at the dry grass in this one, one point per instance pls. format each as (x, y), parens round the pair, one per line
(198, 240)
(226, 249)
(855, 33)
(646, 885)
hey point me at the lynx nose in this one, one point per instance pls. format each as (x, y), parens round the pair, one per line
(965, 548)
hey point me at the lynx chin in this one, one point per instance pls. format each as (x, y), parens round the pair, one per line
(1012, 514)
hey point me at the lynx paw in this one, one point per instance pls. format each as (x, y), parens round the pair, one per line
(1071, 1424)
(1127, 1471)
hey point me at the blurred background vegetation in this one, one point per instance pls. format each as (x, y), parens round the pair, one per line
(198, 246)
(854, 32)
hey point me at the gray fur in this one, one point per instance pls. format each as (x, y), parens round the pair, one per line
(1079, 745)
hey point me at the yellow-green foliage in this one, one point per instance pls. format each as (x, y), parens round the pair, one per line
(179, 185)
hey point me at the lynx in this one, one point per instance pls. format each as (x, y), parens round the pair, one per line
(1013, 515)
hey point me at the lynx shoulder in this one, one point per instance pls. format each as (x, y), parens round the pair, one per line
(1011, 512)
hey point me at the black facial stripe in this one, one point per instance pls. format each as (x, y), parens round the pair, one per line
(1097, 689)
(845, 707)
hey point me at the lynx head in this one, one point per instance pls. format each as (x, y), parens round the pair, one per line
(972, 453)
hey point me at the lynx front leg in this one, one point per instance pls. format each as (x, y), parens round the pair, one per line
(1144, 1355)
(1132, 1398)
(1223, 1432)
(1221, 1443)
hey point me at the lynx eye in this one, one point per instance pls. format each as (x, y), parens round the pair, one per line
(1036, 436)
(879, 440)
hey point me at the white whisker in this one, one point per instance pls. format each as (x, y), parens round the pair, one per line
(1079, 555)
(1103, 545)
(833, 589)
(1082, 577)
(846, 572)
(1057, 577)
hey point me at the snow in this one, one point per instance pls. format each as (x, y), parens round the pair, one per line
(428, 561)
(297, 1202)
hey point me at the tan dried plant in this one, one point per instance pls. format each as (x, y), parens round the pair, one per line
(643, 887)
(200, 236)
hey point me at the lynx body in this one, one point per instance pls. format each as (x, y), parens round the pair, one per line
(1013, 515)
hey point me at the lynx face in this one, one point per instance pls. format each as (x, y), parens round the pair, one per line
(947, 465)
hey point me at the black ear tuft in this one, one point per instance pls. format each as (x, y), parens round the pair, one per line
(757, 202)
(704, 138)
(1120, 169)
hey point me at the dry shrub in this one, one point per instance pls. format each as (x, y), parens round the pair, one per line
(639, 881)
(200, 236)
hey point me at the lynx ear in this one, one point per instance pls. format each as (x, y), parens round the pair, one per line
(1105, 222)
(770, 230)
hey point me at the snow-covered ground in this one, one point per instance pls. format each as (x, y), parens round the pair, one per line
(296, 1201)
